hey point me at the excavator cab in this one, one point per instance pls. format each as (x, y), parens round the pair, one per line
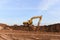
(26, 24)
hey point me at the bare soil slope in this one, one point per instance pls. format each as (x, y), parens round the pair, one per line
(26, 35)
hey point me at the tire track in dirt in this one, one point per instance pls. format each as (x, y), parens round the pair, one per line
(5, 37)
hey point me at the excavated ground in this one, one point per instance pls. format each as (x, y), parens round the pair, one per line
(28, 35)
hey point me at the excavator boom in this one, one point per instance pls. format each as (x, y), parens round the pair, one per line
(35, 17)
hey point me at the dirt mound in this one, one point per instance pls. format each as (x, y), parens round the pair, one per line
(46, 28)
(51, 28)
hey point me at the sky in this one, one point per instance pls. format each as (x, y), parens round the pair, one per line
(18, 11)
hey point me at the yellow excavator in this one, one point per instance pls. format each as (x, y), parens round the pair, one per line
(29, 23)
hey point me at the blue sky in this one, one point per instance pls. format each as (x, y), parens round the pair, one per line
(18, 11)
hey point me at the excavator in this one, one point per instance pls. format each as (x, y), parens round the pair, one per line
(29, 23)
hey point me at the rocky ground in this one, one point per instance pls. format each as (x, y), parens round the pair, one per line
(24, 35)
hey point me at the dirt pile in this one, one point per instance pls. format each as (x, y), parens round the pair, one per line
(46, 28)
(51, 28)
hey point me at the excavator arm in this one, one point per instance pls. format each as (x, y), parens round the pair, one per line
(35, 17)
